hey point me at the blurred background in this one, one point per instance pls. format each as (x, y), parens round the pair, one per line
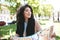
(46, 12)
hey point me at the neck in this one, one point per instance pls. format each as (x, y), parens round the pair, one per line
(26, 20)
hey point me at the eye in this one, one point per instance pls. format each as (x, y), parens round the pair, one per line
(28, 10)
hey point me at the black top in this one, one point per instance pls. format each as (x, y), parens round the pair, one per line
(30, 30)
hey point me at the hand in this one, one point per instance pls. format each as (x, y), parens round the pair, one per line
(53, 35)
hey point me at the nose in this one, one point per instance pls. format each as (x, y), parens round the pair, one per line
(29, 12)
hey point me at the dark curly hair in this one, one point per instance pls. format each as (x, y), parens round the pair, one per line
(20, 22)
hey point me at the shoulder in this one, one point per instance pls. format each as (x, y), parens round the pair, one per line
(37, 23)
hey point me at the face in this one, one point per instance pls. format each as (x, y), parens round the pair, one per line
(27, 12)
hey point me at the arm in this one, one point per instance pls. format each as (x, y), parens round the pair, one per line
(52, 33)
(37, 26)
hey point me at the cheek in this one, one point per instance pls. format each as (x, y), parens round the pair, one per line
(27, 15)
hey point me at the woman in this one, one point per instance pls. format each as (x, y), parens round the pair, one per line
(26, 24)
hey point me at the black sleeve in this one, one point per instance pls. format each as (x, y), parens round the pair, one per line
(17, 29)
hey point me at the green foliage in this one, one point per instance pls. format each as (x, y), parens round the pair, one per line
(44, 9)
(0, 7)
(13, 9)
(57, 38)
(13, 6)
(11, 0)
(4, 30)
(35, 5)
(47, 9)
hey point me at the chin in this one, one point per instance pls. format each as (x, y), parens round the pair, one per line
(29, 17)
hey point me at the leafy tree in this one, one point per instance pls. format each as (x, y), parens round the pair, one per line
(35, 5)
(13, 5)
(47, 9)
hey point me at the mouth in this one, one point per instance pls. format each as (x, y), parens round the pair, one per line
(28, 15)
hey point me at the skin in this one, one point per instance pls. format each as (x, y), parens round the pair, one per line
(27, 13)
